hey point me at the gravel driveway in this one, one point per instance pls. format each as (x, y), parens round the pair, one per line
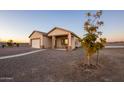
(48, 65)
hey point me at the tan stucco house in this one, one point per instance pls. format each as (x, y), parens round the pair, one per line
(57, 38)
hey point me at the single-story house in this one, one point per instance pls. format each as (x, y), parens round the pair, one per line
(57, 38)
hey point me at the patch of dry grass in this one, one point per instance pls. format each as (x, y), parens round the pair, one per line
(110, 68)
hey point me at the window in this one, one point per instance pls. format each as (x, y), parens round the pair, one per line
(64, 41)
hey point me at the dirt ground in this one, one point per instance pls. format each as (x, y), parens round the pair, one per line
(61, 66)
(111, 67)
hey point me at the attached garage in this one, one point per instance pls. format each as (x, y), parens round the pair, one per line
(39, 40)
(35, 43)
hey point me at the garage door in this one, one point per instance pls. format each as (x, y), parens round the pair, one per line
(36, 43)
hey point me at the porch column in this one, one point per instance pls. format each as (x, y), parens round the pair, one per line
(69, 41)
(53, 42)
(41, 42)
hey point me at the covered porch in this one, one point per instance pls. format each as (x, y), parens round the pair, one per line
(62, 42)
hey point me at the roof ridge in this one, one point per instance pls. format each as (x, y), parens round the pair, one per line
(65, 30)
(46, 33)
(40, 31)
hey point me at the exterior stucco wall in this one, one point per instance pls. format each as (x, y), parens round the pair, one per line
(58, 32)
(75, 42)
(58, 43)
(73, 39)
(36, 35)
(47, 42)
(78, 43)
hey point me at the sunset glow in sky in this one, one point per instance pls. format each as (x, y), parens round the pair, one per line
(18, 25)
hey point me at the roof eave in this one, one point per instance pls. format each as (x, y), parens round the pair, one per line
(43, 33)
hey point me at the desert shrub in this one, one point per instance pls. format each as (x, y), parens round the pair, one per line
(9, 44)
(3, 46)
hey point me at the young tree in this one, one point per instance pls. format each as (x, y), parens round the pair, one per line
(92, 41)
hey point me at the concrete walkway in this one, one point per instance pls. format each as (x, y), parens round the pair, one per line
(21, 54)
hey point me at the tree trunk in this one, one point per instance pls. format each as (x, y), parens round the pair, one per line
(97, 57)
(88, 59)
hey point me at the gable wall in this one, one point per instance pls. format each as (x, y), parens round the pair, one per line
(58, 32)
(36, 35)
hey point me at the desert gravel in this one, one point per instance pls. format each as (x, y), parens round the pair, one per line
(48, 65)
(58, 65)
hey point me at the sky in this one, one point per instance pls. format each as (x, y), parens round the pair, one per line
(19, 24)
